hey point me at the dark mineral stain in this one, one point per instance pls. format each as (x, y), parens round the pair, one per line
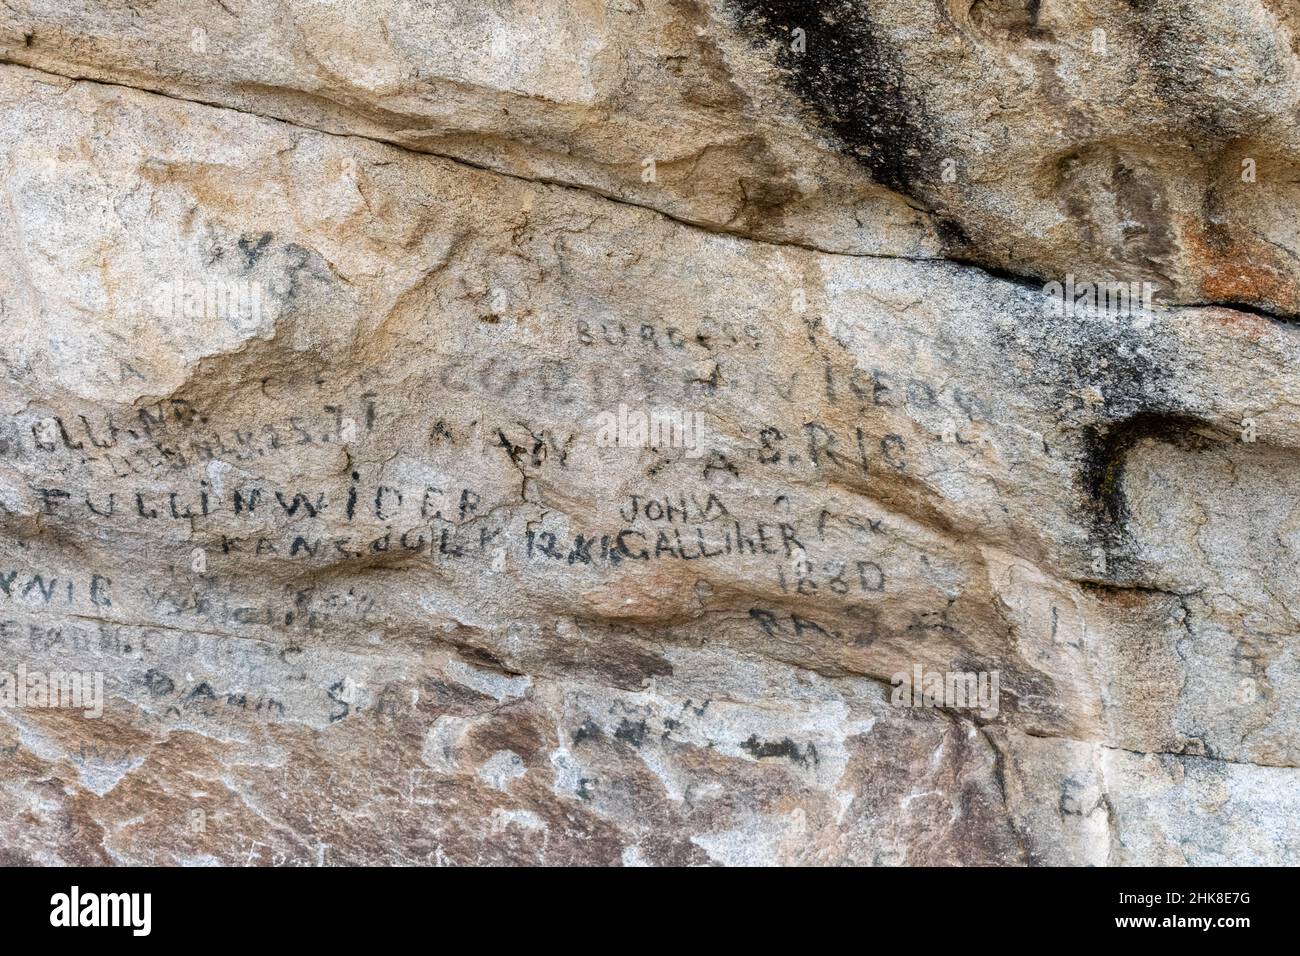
(1171, 36)
(953, 235)
(851, 78)
(1014, 19)
(1106, 453)
(484, 658)
(1121, 207)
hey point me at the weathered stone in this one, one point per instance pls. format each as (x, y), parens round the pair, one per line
(319, 437)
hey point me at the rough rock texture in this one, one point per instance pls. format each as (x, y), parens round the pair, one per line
(364, 582)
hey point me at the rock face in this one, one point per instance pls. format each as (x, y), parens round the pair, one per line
(649, 432)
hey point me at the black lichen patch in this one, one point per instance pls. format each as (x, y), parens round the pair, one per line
(252, 248)
(1127, 368)
(842, 68)
(1112, 381)
(631, 733)
(588, 731)
(784, 747)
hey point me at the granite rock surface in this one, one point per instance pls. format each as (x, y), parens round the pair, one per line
(545, 433)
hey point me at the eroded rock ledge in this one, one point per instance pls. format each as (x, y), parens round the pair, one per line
(364, 580)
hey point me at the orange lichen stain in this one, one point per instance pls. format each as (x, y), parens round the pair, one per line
(1238, 268)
